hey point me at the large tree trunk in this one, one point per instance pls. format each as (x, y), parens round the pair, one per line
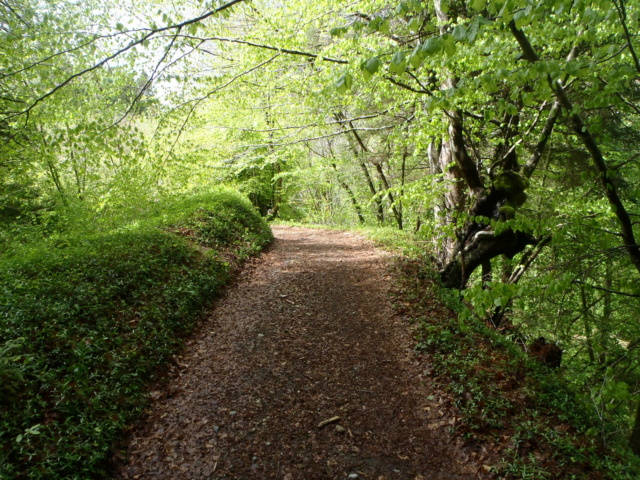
(482, 247)
(452, 202)
(477, 242)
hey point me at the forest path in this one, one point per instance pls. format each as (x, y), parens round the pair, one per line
(305, 334)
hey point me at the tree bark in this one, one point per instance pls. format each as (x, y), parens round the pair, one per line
(454, 199)
(477, 243)
(483, 246)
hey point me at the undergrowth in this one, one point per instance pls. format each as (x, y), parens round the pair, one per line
(87, 323)
(523, 415)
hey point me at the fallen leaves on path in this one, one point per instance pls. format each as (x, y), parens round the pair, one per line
(302, 371)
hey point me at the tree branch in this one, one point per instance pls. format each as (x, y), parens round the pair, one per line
(622, 13)
(517, 274)
(583, 133)
(320, 137)
(545, 135)
(554, 113)
(580, 282)
(269, 47)
(148, 83)
(199, 100)
(405, 86)
(295, 127)
(119, 52)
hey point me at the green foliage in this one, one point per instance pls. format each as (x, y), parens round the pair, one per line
(86, 325)
(349, 131)
(344, 82)
(513, 186)
(402, 242)
(515, 407)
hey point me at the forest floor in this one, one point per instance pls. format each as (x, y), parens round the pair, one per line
(301, 371)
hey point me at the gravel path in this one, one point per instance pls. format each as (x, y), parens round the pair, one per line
(306, 334)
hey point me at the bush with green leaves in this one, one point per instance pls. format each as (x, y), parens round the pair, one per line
(85, 326)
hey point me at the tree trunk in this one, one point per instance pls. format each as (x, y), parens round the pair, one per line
(588, 330)
(606, 314)
(56, 181)
(477, 243)
(276, 190)
(483, 246)
(403, 179)
(276, 194)
(452, 202)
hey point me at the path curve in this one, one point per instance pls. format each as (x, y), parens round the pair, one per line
(307, 333)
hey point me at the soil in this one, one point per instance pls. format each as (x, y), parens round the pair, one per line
(301, 371)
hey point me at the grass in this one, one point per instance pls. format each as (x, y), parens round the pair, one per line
(85, 326)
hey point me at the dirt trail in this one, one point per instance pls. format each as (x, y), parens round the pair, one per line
(307, 333)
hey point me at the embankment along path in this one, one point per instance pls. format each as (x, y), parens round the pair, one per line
(306, 334)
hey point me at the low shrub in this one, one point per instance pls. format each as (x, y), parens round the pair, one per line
(521, 417)
(86, 324)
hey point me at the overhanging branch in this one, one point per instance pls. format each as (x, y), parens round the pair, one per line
(603, 289)
(268, 47)
(124, 49)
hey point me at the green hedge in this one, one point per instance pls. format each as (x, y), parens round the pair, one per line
(84, 327)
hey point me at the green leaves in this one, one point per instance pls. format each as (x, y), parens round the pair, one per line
(460, 32)
(344, 82)
(414, 25)
(398, 64)
(370, 66)
(432, 46)
(477, 5)
(417, 57)
(338, 31)
(379, 24)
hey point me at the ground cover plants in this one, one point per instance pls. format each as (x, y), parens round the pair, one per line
(524, 418)
(84, 327)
